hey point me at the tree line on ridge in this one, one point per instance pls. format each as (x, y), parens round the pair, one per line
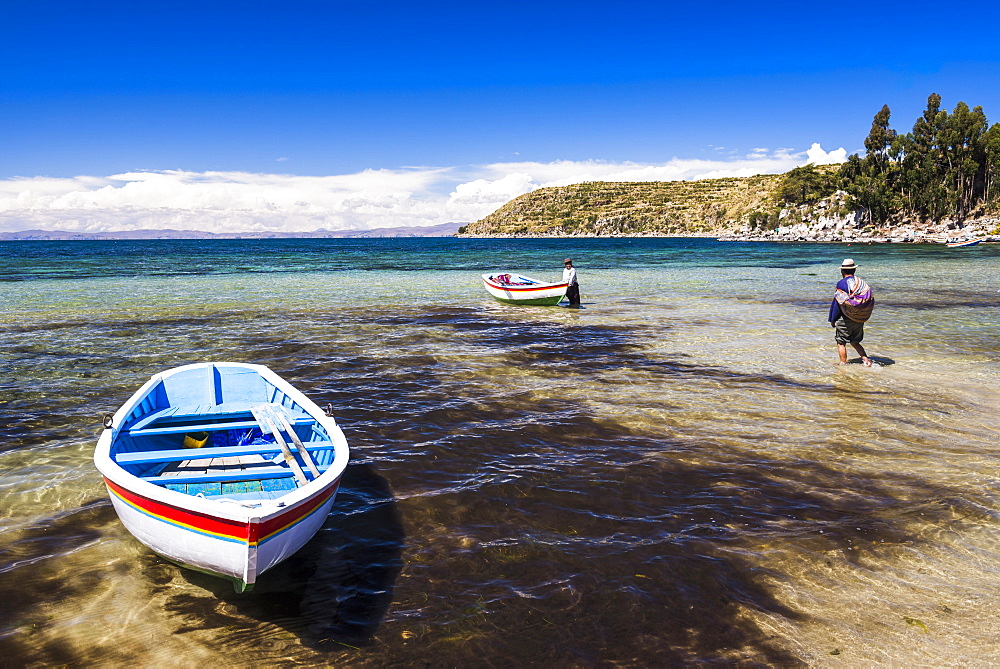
(947, 167)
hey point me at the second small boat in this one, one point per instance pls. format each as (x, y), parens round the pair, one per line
(956, 243)
(513, 288)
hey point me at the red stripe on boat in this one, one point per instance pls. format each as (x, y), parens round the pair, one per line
(267, 529)
(194, 520)
(514, 289)
(252, 533)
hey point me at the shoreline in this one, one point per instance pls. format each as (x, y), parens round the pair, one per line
(724, 237)
(825, 230)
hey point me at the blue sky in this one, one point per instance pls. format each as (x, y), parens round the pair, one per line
(440, 101)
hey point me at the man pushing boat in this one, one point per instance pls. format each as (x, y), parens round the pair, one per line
(569, 278)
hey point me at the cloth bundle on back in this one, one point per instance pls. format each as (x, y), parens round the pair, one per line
(852, 305)
(857, 302)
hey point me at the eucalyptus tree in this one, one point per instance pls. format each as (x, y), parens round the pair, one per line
(807, 184)
(991, 140)
(946, 167)
(869, 180)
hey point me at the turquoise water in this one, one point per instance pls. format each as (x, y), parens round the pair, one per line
(675, 473)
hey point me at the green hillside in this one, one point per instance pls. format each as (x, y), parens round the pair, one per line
(628, 209)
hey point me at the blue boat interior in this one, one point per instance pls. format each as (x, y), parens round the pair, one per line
(195, 432)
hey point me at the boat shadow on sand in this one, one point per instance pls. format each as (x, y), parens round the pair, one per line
(335, 591)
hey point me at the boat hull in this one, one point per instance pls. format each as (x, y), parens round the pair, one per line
(531, 293)
(237, 549)
(233, 538)
(955, 245)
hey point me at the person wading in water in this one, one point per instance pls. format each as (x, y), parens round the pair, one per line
(569, 277)
(851, 307)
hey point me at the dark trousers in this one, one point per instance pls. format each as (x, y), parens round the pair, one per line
(573, 295)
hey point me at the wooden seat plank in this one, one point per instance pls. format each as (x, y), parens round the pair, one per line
(255, 474)
(211, 427)
(146, 457)
(162, 413)
(229, 461)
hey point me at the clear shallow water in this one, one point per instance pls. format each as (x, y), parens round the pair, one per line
(677, 473)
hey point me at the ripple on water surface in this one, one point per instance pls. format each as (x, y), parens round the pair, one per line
(676, 473)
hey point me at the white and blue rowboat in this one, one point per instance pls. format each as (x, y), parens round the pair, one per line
(514, 288)
(956, 243)
(222, 467)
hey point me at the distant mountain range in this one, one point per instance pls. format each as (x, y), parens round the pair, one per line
(442, 230)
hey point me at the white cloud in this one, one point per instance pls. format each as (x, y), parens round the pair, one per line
(818, 156)
(496, 192)
(414, 197)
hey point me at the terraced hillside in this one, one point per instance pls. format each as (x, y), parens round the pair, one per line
(627, 209)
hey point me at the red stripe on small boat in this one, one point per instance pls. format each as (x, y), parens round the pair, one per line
(223, 528)
(193, 520)
(261, 532)
(514, 289)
